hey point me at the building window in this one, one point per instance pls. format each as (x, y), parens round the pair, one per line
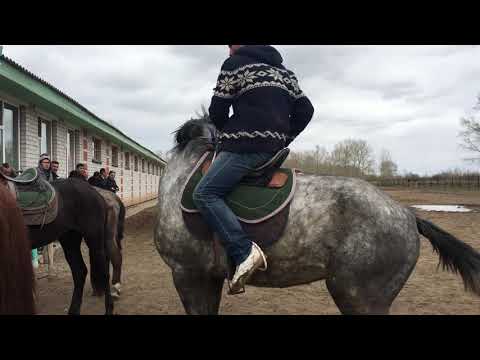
(9, 135)
(114, 156)
(70, 150)
(97, 151)
(127, 161)
(44, 137)
(136, 163)
(143, 165)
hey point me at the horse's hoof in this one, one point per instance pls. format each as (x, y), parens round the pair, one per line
(115, 291)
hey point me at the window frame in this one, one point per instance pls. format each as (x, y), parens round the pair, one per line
(115, 163)
(95, 160)
(127, 160)
(48, 125)
(68, 149)
(16, 130)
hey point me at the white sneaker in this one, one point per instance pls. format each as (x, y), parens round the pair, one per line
(245, 270)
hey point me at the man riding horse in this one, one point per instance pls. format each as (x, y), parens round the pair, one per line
(269, 111)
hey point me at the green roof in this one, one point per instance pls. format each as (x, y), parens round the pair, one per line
(22, 83)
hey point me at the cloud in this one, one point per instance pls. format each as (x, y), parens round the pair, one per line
(407, 99)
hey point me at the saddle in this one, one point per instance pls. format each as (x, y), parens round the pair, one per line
(35, 196)
(267, 175)
(261, 201)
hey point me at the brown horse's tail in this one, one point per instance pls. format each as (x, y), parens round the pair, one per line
(121, 224)
(17, 279)
(455, 255)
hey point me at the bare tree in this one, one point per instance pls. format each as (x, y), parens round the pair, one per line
(353, 158)
(471, 133)
(388, 168)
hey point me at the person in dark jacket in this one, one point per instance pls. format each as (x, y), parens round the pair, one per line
(103, 178)
(79, 172)
(110, 183)
(54, 169)
(95, 180)
(269, 112)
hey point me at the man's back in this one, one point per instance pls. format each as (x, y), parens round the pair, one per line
(269, 107)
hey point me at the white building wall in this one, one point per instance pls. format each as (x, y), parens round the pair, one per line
(135, 186)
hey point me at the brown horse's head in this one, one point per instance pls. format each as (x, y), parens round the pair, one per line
(16, 270)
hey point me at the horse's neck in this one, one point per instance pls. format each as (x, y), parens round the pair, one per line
(178, 169)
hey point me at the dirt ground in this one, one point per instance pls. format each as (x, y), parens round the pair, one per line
(148, 288)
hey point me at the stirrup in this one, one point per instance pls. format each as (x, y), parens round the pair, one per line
(264, 258)
(231, 292)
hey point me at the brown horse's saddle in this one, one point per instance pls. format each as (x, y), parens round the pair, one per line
(35, 196)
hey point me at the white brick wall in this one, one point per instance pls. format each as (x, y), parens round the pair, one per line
(32, 151)
(137, 186)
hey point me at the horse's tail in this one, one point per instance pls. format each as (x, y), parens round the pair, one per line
(121, 224)
(99, 273)
(455, 255)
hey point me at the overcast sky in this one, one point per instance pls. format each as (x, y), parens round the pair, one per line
(407, 99)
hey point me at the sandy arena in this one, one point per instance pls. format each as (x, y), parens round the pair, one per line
(148, 288)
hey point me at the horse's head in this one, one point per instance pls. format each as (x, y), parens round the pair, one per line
(197, 134)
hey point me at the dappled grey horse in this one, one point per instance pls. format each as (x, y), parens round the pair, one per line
(342, 230)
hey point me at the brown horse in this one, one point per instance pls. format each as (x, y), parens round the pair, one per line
(17, 283)
(82, 214)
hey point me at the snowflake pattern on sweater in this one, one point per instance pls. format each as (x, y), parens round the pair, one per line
(232, 84)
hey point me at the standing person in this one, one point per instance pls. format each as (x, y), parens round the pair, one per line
(50, 253)
(79, 172)
(95, 180)
(110, 183)
(269, 111)
(44, 168)
(48, 170)
(54, 169)
(103, 178)
(82, 170)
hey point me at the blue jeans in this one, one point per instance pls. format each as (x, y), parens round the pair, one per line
(224, 174)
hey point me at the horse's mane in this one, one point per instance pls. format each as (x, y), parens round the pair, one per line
(192, 130)
(16, 270)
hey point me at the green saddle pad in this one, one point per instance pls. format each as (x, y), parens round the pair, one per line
(32, 192)
(28, 176)
(251, 204)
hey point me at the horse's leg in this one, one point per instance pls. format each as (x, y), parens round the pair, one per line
(116, 258)
(366, 279)
(100, 271)
(115, 255)
(71, 242)
(50, 254)
(200, 293)
(95, 275)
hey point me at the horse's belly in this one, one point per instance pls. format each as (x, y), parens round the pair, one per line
(287, 274)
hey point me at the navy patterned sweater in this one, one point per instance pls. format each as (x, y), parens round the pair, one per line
(269, 108)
